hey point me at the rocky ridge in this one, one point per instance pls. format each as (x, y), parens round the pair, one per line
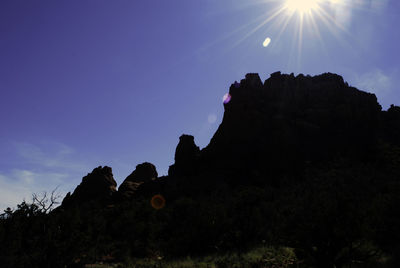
(271, 129)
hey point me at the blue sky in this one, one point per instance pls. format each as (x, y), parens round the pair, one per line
(89, 83)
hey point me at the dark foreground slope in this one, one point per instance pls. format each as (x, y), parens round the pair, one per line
(303, 162)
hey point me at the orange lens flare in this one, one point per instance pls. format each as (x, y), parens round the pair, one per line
(157, 201)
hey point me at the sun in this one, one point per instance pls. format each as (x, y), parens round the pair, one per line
(302, 6)
(307, 20)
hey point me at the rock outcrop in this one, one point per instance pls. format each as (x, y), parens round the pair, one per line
(299, 162)
(391, 125)
(288, 121)
(269, 130)
(186, 156)
(98, 187)
(143, 174)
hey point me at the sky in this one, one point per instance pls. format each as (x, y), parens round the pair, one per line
(89, 83)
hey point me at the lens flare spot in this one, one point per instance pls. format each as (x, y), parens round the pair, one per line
(157, 201)
(226, 98)
(266, 42)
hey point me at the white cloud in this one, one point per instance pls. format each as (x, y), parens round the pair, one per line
(374, 81)
(50, 155)
(19, 185)
(25, 175)
(381, 84)
(40, 168)
(11, 192)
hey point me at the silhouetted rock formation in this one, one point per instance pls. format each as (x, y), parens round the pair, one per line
(308, 163)
(144, 173)
(289, 121)
(391, 124)
(98, 187)
(270, 131)
(186, 156)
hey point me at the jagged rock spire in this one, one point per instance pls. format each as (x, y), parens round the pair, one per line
(98, 187)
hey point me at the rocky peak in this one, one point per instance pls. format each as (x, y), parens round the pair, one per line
(186, 150)
(251, 80)
(186, 155)
(291, 118)
(97, 186)
(270, 129)
(391, 124)
(144, 173)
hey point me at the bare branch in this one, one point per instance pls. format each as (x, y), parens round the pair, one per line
(46, 203)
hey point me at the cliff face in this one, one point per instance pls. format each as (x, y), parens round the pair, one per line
(288, 120)
(269, 130)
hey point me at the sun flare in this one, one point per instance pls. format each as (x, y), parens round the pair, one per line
(302, 6)
(308, 21)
